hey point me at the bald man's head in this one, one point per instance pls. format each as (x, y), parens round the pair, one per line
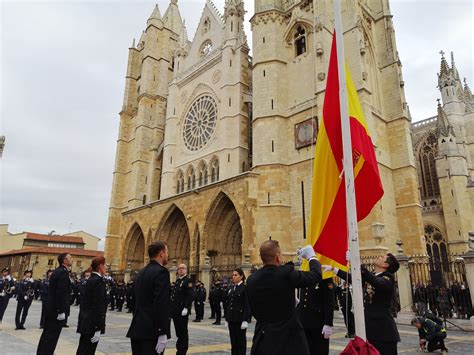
(270, 252)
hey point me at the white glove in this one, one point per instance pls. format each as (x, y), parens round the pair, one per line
(9, 278)
(348, 255)
(307, 252)
(327, 268)
(96, 337)
(244, 325)
(25, 298)
(327, 331)
(184, 312)
(161, 344)
(61, 316)
(297, 301)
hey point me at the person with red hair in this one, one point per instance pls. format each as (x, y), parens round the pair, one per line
(92, 316)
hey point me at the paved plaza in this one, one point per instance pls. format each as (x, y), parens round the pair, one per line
(204, 338)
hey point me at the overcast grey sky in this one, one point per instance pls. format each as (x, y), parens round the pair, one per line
(62, 78)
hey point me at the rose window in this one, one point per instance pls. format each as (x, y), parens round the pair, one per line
(200, 123)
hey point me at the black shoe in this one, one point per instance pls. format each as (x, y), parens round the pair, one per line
(216, 323)
(211, 318)
(196, 320)
(65, 326)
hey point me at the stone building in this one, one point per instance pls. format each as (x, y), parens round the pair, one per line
(444, 152)
(215, 147)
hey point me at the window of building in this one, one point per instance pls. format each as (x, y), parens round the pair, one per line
(427, 173)
(300, 40)
(215, 170)
(179, 182)
(436, 248)
(79, 263)
(206, 48)
(50, 262)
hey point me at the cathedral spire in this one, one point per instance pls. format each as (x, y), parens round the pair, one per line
(183, 43)
(155, 14)
(444, 128)
(444, 70)
(172, 17)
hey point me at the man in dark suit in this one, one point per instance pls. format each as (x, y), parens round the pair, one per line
(57, 306)
(271, 294)
(150, 328)
(181, 300)
(380, 326)
(93, 309)
(316, 313)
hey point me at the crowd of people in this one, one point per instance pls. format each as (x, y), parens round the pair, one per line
(302, 325)
(445, 302)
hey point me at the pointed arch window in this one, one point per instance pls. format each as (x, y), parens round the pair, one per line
(179, 182)
(300, 40)
(202, 173)
(436, 248)
(426, 159)
(215, 170)
(191, 179)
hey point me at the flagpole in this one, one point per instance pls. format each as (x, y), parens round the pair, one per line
(349, 179)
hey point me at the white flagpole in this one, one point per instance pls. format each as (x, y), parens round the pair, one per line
(351, 212)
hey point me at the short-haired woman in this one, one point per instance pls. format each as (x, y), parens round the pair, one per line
(238, 313)
(92, 317)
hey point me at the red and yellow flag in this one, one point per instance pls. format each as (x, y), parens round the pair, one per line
(328, 221)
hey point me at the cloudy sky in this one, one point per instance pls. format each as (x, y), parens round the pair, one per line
(62, 78)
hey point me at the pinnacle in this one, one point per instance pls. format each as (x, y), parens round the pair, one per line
(156, 13)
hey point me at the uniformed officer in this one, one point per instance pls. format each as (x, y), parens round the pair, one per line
(57, 306)
(25, 294)
(316, 313)
(150, 328)
(271, 294)
(430, 332)
(199, 297)
(130, 295)
(181, 300)
(238, 313)
(381, 329)
(216, 301)
(7, 288)
(120, 295)
(211, 301)
(44, 289)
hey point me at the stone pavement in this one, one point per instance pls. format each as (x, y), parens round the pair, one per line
(204, 338)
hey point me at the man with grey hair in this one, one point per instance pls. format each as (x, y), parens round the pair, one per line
(181, 300)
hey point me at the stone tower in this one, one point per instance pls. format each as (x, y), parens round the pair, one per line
(138, 163)
(292, 42)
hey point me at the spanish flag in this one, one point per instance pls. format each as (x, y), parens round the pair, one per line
(328, 222)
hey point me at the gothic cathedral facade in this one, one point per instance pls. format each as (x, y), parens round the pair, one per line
(215, 146)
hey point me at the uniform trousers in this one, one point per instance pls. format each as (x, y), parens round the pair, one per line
(349, 321)
(22, 311)
(181, 328)
(316, 342)
(238, 340)
(50, 336)
(144, 346)
(3, 306)
(437, 342)
(86, 347)
(213, 310)
(385, 347)
(217, 309)
(43, 311)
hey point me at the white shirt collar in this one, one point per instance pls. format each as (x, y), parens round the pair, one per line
(95, 272)
(240, 283)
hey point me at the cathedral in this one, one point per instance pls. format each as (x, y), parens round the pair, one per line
(215, 146)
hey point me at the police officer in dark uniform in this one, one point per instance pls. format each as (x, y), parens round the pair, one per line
(130, 296)
(380, 326)
(238, 313)
(199, 297)
(211, 303)
(57, 306)
(181, 300)
(431, 333)
(316, 313)
(120, 295)
(271, 294)
(343, 293)
(216, 301)
(44, 289)
(25, 294)
(7, 288)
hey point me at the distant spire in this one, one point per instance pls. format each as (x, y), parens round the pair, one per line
(467, 89)
(444, 64)
(453, 67)
(183, 37)
(133, 43)
(444, 128)
(172, 17)
(156, 13)
(141, 42)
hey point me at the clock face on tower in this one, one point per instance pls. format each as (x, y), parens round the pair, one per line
(200, 123)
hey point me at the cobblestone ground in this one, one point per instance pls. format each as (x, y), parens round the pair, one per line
(204, 338)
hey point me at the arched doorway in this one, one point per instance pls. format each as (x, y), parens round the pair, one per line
(223, 233)
(174, 230)
(135, 256)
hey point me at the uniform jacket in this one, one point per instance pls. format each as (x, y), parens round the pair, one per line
(93, 307)
(238, 307)
(59, 293)
(430, 330)
(181, 295)
(44, 289)
(7, 287)
(379, 322)
(271, 294)
(316, 307)
(24, 289)
(151, 317)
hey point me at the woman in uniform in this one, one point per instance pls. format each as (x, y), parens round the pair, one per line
(238, 313)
